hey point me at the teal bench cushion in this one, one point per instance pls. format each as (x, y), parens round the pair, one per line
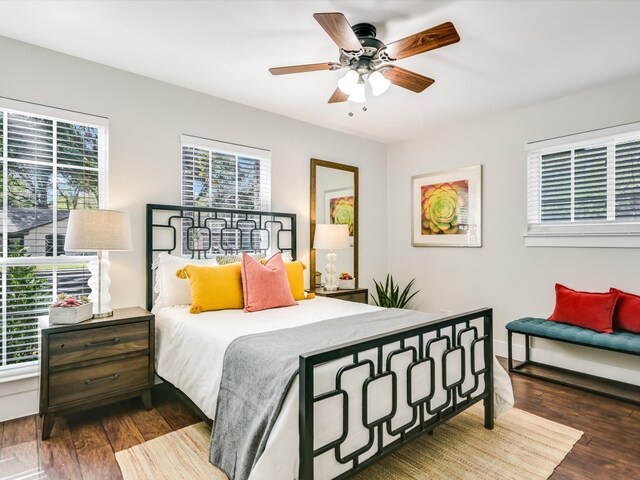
(539, 327)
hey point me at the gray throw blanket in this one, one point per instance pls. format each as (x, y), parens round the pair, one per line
(258, 370)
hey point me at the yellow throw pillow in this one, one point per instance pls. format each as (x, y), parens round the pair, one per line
(214, 287)
(296, 279)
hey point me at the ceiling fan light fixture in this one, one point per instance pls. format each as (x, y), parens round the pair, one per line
(357, 94)
(379, 84)
(348, 82)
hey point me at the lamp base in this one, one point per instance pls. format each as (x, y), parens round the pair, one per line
(99, 285)
(332, 279)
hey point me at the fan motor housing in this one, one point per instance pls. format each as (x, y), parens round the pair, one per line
(367, 59)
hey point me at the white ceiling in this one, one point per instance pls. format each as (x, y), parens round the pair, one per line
(511, 53)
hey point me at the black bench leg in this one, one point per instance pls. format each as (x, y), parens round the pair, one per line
(527, 349)
(510, 349)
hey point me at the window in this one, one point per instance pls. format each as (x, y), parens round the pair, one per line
(53, 161)
(223, 175)
(584, 190)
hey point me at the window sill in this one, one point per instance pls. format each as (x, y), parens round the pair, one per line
(582, 241)
(19, 373)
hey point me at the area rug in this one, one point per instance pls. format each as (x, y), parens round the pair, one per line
(521, 446)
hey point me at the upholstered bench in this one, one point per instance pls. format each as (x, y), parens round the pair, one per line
(618, 341)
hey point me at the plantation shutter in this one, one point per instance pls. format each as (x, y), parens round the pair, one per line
(589, 187)
(49, 167)
(627, 180)
(221, 175)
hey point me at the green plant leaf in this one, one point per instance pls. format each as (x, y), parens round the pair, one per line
(389, 294)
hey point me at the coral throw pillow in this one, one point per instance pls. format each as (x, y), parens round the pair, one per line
(295, 274)
(265, 286)
(584, 309)
(216, 287)
(627, 312)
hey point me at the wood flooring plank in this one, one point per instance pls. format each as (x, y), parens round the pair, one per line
(99, 463)
(19, 430)
(87, 431)
(82, 445)
(176, 414)
(587, 460)
(150, 423)
(120, 428)
(58, 454)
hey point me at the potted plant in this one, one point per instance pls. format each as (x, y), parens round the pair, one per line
(68, 309)
(346, 281)
(389, 294)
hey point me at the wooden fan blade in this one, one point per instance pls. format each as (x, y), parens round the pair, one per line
(338, 96)
(407, 79)
(312, 67)
(430, 39)
(338, 28)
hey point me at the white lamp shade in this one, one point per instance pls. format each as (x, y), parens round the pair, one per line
(94, 230)
(379, 84)
(357, 94)
(349, 81)
(331, 237)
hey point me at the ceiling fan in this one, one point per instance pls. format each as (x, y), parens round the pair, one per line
(368, 59)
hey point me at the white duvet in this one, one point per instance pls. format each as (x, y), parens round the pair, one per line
(190, 352)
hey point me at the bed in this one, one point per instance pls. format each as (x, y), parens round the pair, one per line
(351, 403)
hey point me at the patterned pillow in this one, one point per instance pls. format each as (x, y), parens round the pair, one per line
(227, 259)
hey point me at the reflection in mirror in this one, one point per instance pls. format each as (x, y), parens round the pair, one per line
(334, 199)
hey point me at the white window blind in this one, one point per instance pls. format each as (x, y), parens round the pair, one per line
(223, 175)
(586, 185)
(50, 165)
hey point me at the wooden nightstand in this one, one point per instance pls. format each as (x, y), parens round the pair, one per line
(96, 362)
(358, 295)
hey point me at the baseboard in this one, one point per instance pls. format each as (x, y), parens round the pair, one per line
(571, 362)
(19, 398)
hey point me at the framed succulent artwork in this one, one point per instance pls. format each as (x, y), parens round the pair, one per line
(447, 208)
(340, 207)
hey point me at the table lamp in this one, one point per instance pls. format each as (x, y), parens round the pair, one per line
(331, 237)
(98, 231)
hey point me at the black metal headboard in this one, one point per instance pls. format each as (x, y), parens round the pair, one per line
(201, 232)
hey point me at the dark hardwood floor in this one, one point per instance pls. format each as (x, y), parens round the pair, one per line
(82, 446)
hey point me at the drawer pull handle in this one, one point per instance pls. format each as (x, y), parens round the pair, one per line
(101, 343)
(115, 376)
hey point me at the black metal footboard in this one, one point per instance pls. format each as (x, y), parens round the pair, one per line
(448, 349)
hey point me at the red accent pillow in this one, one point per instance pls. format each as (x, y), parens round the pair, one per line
(626, 315)
(584, 309)
(265, 286)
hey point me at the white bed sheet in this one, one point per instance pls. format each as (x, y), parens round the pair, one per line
(190, 348)
(190, 352)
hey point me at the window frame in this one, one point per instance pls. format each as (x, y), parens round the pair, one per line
(19, 371)
(607, 234)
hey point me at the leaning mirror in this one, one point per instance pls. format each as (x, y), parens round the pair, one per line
(333, 201)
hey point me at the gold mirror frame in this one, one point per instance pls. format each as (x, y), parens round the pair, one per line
(315, 163)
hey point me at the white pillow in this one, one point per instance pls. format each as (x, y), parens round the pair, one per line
(172, 290)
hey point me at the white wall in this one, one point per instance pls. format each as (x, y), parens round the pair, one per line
(146, 119)
(503, 274)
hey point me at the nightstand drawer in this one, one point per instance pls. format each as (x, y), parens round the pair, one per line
(359, 297)
(77, 346)
(106, 378)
